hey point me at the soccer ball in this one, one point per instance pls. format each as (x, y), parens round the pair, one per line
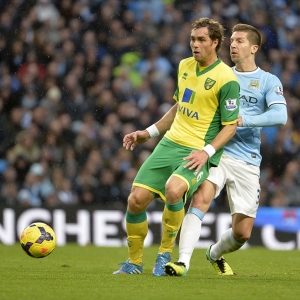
(38, 240)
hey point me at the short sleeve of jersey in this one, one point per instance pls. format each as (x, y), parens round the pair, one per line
(273, 90)
(229, 102)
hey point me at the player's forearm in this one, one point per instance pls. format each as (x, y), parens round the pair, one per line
(224, 136)
(274, 116)
(167, 119)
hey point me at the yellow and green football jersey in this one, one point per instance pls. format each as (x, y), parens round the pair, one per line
(207, 100)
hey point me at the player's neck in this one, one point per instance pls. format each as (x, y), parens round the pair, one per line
(208, 62)
(246, 67)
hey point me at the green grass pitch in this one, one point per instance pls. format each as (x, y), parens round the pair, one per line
(73, 272)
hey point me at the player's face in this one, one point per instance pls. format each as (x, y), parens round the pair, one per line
(240, 48)
(203, 48)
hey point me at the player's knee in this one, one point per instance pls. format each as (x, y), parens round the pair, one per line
(135, 204)
(138, 200)
(173, 195)
(242, 236)
(200, 201)
(203, 197)
(175, 189)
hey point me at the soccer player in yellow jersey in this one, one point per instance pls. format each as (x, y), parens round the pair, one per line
(197, 127)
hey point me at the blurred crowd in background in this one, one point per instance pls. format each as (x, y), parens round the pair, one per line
(77, 75)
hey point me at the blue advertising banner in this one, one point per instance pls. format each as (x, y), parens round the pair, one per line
(283, 219)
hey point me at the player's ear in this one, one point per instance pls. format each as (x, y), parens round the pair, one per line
(254, 49)
(215, 43)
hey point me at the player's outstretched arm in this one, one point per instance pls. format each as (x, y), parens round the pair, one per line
(274, 116)
(135, 138)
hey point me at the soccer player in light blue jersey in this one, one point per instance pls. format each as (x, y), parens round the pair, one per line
(261, 104)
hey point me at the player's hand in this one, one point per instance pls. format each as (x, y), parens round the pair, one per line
(240, 121)
(135, 138)
(196, 160)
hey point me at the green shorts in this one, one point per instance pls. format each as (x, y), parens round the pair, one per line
(167, 160)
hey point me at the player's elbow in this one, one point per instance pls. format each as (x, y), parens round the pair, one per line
(283, 119)
(281, 115)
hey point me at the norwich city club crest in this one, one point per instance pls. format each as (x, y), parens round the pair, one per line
(209, 83)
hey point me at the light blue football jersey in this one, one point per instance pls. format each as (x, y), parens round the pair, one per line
(258, 91)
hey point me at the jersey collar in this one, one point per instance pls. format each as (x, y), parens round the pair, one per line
(199, 73)
(250, 72)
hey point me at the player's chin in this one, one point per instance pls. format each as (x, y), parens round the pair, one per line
(234, 58)
(196, 56)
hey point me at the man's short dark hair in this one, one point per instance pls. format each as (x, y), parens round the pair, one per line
(253, 35)
(215, 30)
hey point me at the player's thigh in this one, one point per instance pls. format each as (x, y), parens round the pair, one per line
(217, 176)
(243, 189)
(192, 178)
